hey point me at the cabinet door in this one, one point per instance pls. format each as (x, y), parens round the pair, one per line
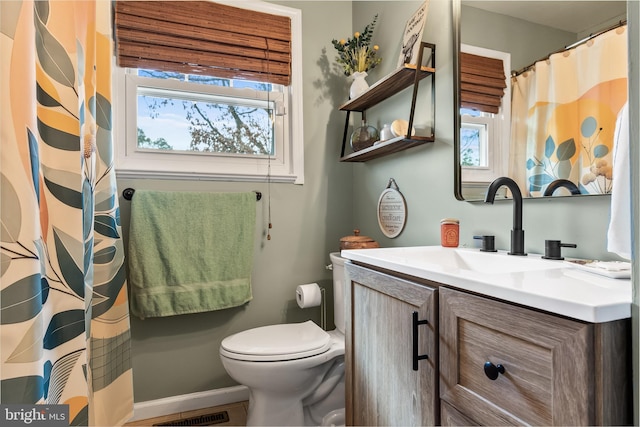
(382, 386)
(547, 360)
(449, 416)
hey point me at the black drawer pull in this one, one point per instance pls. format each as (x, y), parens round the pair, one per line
(416, 356)
(493, 371)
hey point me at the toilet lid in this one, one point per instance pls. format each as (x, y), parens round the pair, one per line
(277, 342)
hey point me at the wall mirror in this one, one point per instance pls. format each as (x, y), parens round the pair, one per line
(550, 132)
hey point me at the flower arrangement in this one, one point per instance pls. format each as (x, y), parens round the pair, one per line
(355, 54)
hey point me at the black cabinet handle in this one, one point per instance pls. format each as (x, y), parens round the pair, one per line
(493, 371)
(416, 356)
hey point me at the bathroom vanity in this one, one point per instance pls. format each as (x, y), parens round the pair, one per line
(497, 340)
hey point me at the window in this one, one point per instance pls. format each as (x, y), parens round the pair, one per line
(184, 125)
(484, 136)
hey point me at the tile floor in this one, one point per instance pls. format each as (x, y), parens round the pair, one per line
(237, 416)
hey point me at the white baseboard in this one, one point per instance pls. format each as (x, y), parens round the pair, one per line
(189, 402)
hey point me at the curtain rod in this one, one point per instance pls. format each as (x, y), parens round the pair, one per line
(127, 193)
(571, 46)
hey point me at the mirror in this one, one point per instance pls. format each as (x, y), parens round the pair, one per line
(523, 33)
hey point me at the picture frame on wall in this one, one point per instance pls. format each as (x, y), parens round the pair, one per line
(412, 36)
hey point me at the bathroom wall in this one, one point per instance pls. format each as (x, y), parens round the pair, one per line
(526, 42)
(424, 174)
(179, 354)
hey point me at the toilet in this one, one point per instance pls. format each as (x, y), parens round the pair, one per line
(294, 372)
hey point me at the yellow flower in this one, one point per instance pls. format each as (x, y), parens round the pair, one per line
(356, 53)
(376, 47)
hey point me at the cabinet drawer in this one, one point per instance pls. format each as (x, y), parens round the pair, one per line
(547, 361)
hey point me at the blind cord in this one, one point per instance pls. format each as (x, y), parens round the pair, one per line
(271, 118)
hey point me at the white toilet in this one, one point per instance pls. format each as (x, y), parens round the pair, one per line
(294, 372)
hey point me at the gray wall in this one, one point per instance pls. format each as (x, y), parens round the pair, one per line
(179, 355)
(527, 42)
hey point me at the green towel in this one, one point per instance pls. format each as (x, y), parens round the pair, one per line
(190, 252)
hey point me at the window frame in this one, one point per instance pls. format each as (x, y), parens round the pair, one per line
(498, 126)
(288, 164)
(485, 124)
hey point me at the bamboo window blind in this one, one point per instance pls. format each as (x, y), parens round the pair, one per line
(482, 83)
(203, 37)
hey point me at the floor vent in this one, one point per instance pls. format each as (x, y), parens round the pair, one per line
(200, 420)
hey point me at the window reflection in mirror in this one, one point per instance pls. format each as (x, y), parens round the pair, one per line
(485, 114)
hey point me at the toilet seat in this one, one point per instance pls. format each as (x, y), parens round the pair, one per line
(277, 342)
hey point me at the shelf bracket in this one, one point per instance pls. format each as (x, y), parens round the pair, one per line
(344, 135)
(416, 82)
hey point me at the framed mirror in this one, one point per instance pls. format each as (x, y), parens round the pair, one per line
(563, 70)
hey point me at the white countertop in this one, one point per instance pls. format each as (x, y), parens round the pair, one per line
(552, 286)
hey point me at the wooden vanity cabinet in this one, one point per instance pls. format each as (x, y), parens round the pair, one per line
(391, 328)
(555, 370)
(541, 368)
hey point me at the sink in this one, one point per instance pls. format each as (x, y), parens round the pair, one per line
(472, 260)
(531, 280)
(492, 262)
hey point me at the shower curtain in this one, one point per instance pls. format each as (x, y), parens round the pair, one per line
(564, 113)
(64, 311)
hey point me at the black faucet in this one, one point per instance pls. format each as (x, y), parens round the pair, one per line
(517, 233)
(573, 189)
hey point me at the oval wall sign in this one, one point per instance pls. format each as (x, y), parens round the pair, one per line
(392, 211)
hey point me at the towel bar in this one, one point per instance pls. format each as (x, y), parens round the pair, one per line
(127, 193)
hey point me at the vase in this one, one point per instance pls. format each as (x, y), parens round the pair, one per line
(363, 137)
(359, 85)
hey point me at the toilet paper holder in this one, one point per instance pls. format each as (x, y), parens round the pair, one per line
(323, 310)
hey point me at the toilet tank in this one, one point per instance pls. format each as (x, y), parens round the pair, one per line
(339, 284)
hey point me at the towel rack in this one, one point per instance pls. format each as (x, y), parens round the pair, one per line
(127, 193)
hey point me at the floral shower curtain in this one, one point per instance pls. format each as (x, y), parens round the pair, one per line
(564, 113)
(64, 312)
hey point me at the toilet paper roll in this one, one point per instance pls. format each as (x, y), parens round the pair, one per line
(308, 295)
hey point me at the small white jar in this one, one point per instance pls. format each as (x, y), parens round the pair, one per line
(386, 133)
